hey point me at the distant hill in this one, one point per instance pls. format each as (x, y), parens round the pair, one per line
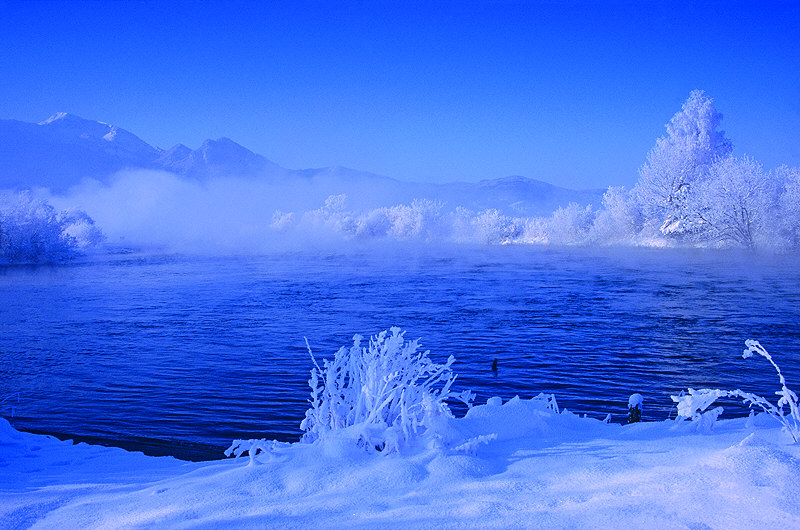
(216, 158)
(64, 149)
(60, 151)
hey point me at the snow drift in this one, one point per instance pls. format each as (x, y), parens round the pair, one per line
(523, 464)
(542, 470)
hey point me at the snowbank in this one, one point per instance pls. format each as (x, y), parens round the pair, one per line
(525, 466)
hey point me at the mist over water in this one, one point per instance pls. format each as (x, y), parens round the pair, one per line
(159, 210)
(156, 209)
(186, 329)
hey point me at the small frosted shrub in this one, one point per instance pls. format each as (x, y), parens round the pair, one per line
(693, 404)
(570, 225)
(252, 448)
(421, 220)
(32, 231)
(381, 395)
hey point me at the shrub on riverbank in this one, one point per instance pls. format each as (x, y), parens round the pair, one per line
(32, 231)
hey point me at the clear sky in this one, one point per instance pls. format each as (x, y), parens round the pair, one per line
(573, 93)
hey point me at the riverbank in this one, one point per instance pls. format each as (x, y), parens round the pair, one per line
(525, 467)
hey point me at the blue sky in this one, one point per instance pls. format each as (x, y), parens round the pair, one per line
(573, 93)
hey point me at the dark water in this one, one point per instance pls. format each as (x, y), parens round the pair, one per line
(180, 355)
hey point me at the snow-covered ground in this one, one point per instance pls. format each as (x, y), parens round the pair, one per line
(525, 467)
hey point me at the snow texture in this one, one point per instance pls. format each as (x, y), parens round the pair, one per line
(518, 465)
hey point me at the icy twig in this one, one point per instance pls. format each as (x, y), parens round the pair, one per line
(692, 405)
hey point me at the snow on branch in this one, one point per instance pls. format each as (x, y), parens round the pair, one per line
(693, 404)
(381, 395)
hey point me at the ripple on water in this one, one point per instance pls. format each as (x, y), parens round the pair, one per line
(192, 352)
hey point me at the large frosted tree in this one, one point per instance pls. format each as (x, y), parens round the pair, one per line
(788, 222)
(679, 163)
(732, 204)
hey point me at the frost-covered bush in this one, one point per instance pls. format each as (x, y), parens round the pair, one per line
(379, 396)
(253, 448)
(788, 211)
(693, 404)
(333, 215)
(420, 220)
(32, 231)
(488, 226)
(570, 225)
(373, 224)
(282, 221)
(619, 220)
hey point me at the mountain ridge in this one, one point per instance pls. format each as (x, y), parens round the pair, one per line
(61, 151)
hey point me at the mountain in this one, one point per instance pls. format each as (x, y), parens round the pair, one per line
(528, 197)
(64, 149)
(216, 158)
(60, 151)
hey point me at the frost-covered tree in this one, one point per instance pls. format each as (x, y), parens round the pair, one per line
(489, 226)
(619, 220)
(730, 206)
(570, 225)
(788, 221)
(32, 231)
(333, 215)
(372, 224)
(421, 220)
(679, 162)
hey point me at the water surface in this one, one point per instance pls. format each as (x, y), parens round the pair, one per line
(181, 354)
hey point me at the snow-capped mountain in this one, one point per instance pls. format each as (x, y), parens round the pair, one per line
(216, 158)
(60, 152)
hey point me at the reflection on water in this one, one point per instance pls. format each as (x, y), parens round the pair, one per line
(166, 350)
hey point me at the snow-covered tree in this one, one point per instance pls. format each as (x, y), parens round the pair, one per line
(619, 220)
(32, 231)
(730, 206)
(570, 225)
(420, 220)
(679, 162)
(788, 222)
(488, 226)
